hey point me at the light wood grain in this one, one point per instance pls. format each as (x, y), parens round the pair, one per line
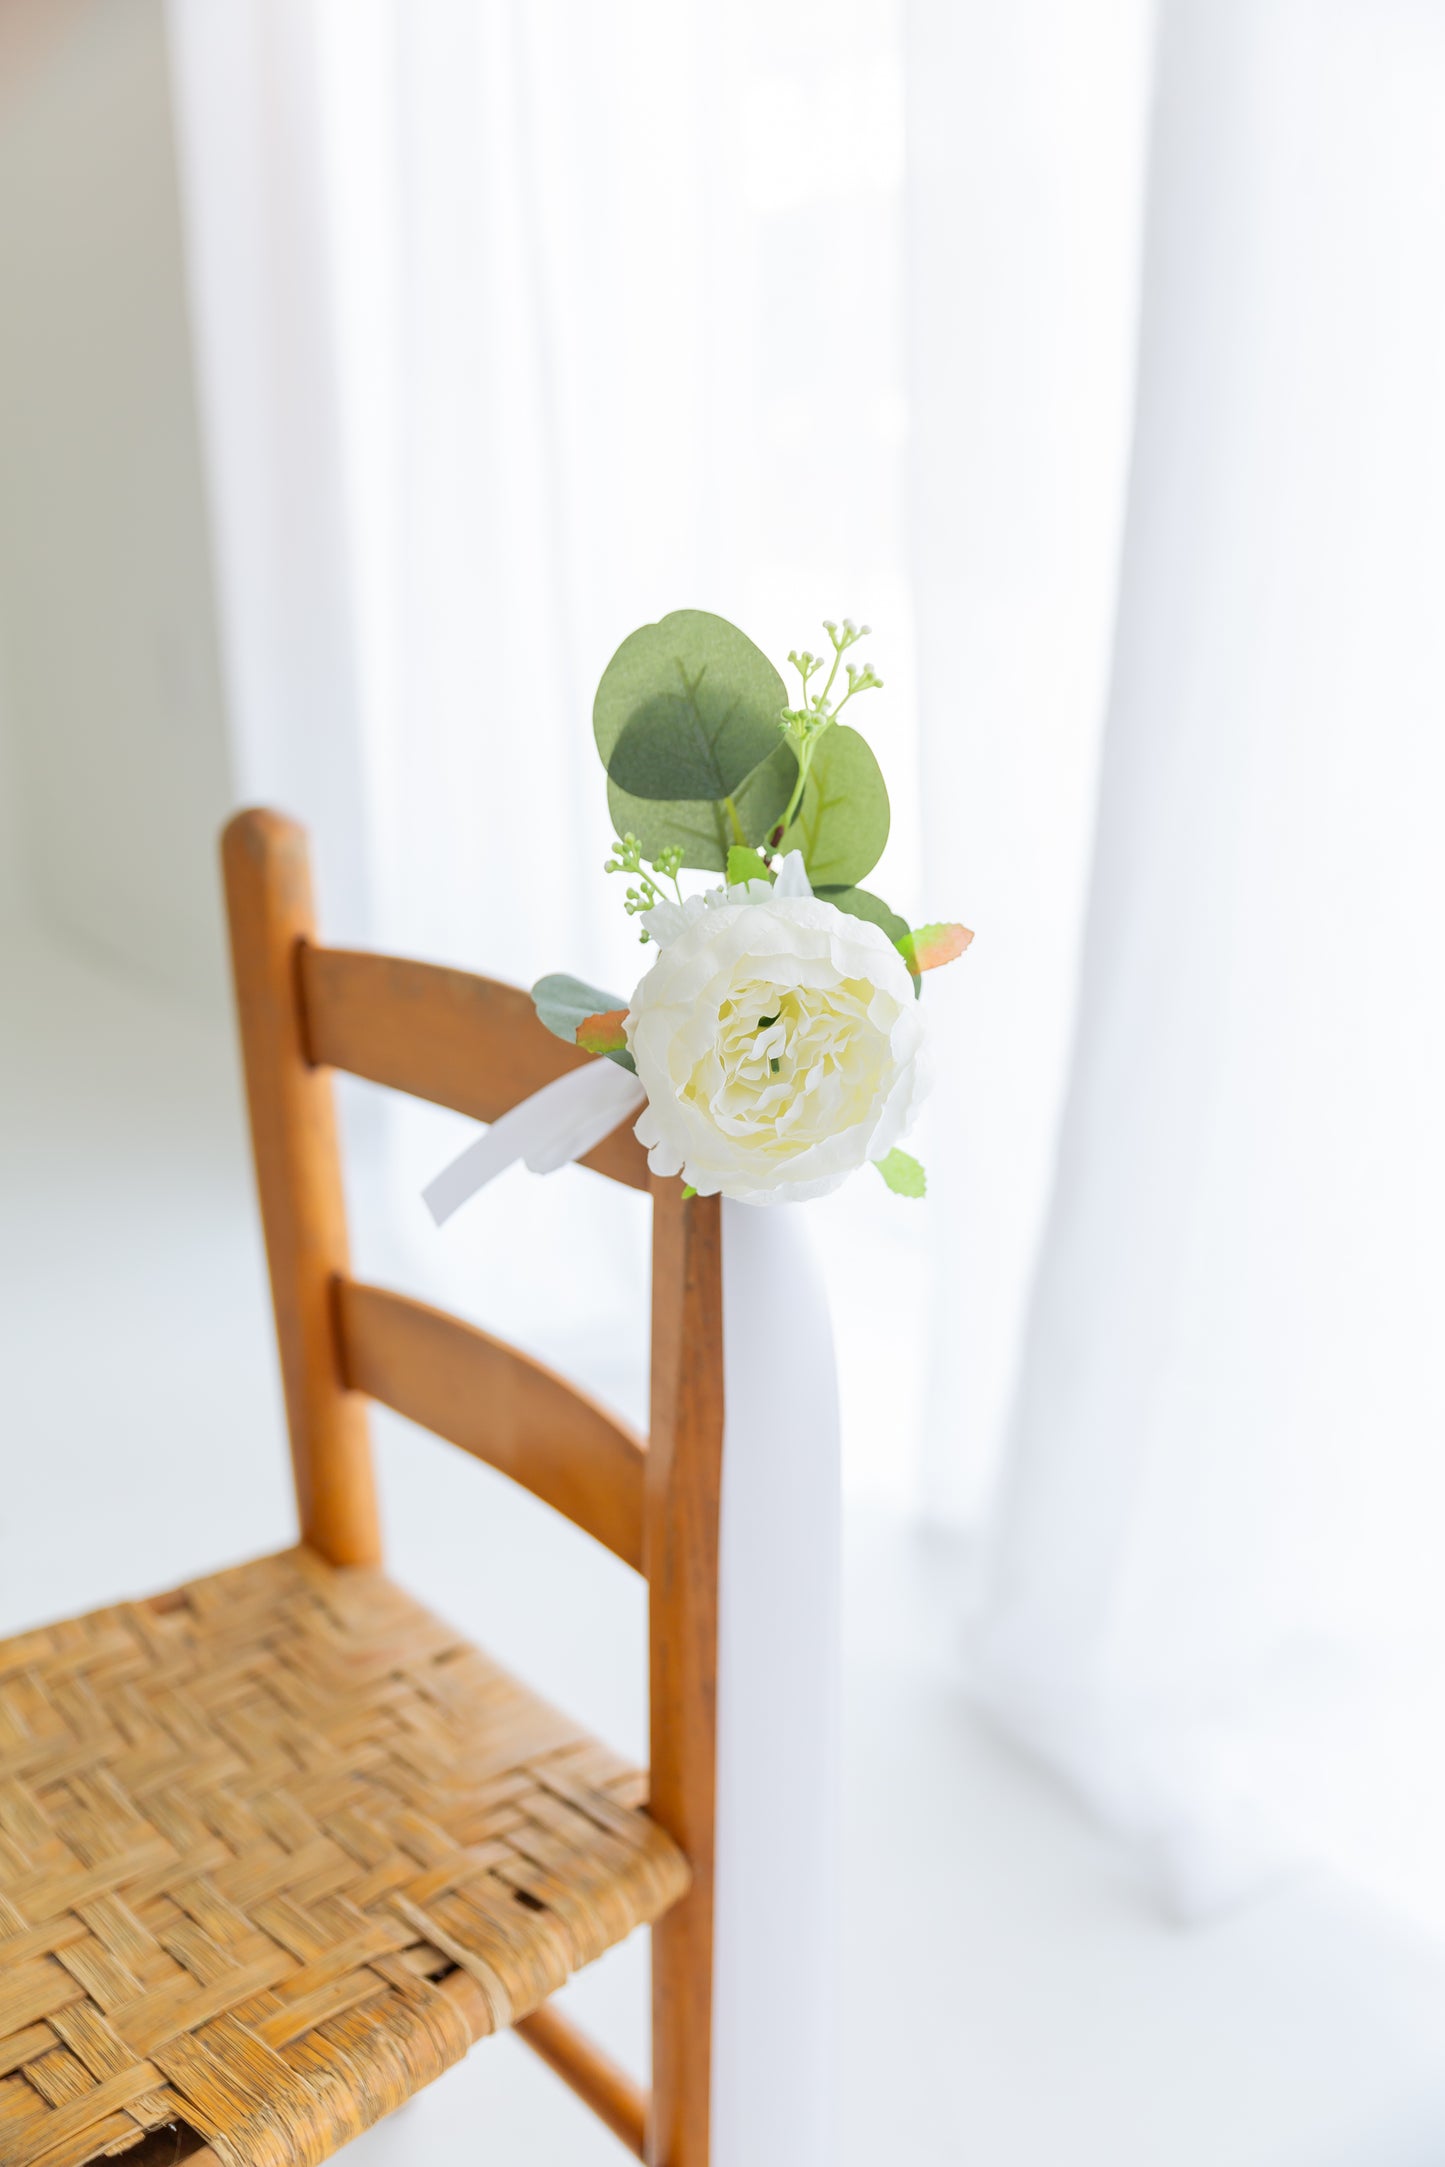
(499, 1405)
(298, 1176)
(470, 1043)
(608, 2090)
(684, 1474)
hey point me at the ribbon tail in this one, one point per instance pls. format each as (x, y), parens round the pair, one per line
(563, 1121)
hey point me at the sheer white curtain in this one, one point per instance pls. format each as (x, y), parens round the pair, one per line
(1215, 1593)
(607, 309)
(1026, 129)
(523, 321)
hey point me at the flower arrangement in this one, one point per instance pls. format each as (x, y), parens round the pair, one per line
(778, 1035)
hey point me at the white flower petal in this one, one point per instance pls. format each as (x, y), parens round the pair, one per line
(792, 879)
(778, 1041)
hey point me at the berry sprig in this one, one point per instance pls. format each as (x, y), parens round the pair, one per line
(646, 893)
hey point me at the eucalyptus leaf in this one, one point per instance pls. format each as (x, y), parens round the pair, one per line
(665, 751)
(761, 798)
(563, 1002)
(687, 708)
(701, 827)
(842, 823)
(697, 827)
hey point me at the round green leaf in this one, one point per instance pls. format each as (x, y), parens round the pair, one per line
(842, 823)
(701, 826)
(761, 798)
(686, 709)
(696, 826)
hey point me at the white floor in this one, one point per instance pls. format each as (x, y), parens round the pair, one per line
(1014, 2000)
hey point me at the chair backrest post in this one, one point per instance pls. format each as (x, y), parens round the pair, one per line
(298, 1175)
(681, 1519)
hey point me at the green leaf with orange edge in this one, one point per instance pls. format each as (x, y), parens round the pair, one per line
(928, 947)
(606, 1033)
(564, 1004)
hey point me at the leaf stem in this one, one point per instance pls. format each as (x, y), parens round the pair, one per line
(805, 761)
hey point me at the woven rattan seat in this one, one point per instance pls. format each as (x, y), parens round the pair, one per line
(274, 1850)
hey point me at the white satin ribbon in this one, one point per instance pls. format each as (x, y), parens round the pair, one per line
(776, 2052)
(775, 1937)
(561, 1122)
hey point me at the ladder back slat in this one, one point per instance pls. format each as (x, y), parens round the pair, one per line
(460, 1040)
(499, 1405)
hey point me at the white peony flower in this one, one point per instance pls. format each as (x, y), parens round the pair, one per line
(778, 1041)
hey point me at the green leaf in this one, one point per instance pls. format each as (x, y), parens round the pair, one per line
(563, 1003)
(842, 823)
(761, 798)
(688, 1191)
(860, 904)
(606, 1033)
(702, 828)
(745, 865)
(904, 1175)
(931, 946)
(666, 752)
(698, 828)
(687, 708)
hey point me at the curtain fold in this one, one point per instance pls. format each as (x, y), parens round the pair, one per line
(261, 275)
(1231, 1396)
(1026, 129)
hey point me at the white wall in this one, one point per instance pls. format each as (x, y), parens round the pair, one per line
(110, 685)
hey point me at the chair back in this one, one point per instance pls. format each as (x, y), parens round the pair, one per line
(476, 1045)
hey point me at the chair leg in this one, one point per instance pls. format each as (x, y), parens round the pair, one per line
(680, 2110)
(684, 1477)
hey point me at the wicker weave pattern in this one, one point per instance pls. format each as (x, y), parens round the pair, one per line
(245, 1831)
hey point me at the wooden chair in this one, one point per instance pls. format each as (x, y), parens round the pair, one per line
(277, 1847)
